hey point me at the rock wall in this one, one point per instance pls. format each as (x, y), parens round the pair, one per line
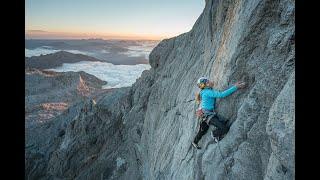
(232, 40)
(145, 132)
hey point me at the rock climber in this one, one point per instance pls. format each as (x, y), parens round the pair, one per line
(206, 111)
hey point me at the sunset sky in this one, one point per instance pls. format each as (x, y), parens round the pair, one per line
(114, 19)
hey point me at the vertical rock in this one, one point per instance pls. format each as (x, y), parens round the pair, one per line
(281, 130)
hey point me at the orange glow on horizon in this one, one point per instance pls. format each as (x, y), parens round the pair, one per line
(40, 34)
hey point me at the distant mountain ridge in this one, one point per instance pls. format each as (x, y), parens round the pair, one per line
(56, 59)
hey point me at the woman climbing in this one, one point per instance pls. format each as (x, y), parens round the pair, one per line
(206, 101)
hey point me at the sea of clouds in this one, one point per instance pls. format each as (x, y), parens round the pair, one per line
(143, 50)
(116, 75)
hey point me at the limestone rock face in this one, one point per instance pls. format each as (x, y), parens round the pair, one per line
(145, 132)
(232, 40)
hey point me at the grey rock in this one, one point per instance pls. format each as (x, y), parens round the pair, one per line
(281, 131)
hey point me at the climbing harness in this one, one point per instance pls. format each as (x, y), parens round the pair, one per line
(199, 113)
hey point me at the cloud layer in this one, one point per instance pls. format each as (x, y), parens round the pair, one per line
(116, 75)
(143, 50)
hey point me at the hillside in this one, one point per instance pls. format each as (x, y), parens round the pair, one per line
(48, 93)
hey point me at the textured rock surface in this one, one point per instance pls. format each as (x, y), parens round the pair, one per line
(145, 132)
(280, 128)
(83, 142)
(232, 40)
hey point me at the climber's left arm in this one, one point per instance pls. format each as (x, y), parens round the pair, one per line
(225, 93)
(236, 86)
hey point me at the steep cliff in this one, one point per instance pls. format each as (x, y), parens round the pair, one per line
(232, 40)
(145, 132)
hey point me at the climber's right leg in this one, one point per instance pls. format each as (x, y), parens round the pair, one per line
(202, 131)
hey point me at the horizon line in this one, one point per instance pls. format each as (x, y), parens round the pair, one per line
(43, 34)
(142, 39)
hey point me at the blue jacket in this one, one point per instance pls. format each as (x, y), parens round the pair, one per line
(208, 96)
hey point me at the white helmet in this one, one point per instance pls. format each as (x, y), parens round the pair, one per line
(203, 80)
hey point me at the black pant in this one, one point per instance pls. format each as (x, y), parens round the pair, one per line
(221, 128)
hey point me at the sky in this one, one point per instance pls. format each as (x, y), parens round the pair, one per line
(119, 19)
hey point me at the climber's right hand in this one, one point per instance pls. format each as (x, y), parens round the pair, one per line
(240, 84)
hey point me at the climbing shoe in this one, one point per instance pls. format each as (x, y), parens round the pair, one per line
(196, 145)
(215, 139)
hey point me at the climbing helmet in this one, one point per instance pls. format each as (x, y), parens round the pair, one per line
(202, 82)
